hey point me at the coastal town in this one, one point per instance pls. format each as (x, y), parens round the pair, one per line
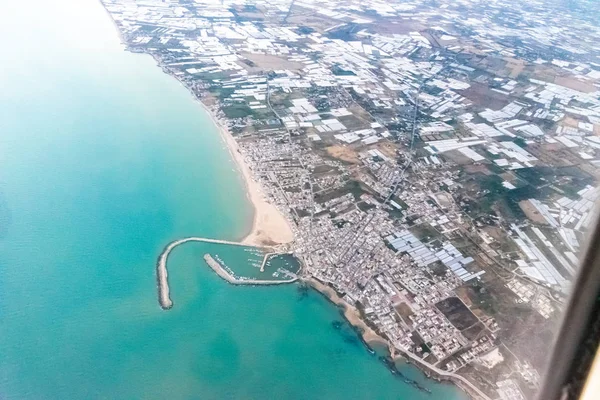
(435, 164)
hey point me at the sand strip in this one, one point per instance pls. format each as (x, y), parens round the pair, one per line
(269, 226)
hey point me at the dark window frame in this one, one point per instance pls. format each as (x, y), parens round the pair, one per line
(576, 344)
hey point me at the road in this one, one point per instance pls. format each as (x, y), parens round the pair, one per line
(441, 372)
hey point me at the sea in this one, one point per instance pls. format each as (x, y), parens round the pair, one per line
(104, 160)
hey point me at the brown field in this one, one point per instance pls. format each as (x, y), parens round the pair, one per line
(268, 62)
(509, 177)
(444, 199)
(354, 123)
(360, 112)
(470, 49)
(544, 72)
(387, 148)
(462, 293)
(482, 94)
(343, 153)
(495, 232)
(531, 212)
(576, 84)
(553, 154)
(305, 17)
(570, 121)
(400, 26)
(514, 66)
(404, 311)
(209, 99)
(459, 158)
(473, 169)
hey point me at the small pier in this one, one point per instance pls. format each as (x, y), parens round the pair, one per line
(264, 261)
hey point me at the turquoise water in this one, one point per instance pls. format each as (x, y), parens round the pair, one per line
(103, 161)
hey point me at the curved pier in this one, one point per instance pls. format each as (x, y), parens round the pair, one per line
(162, 280)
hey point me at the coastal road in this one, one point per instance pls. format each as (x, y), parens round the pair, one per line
(441, 372)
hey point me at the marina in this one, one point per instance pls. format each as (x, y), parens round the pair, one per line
(93, 188)
(164, 297)
(224, 272)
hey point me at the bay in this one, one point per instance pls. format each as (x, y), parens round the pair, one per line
(103, 161)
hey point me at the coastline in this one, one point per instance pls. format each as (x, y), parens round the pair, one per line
(162, 281)
(114, 23)
(350, 312)
(266, 232)
(269, 225)
(369, 337)
(456, 380)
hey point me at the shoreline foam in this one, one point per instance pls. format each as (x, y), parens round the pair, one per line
(350, 312)
(269, 224)
(369, 336)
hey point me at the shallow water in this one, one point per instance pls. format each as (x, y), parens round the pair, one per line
(103, 161)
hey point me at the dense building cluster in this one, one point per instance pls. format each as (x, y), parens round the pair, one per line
(438, 161)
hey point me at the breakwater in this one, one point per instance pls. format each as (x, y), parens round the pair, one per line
(223, 273)
(162, 275)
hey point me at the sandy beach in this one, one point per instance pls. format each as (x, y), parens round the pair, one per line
(269, 226)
